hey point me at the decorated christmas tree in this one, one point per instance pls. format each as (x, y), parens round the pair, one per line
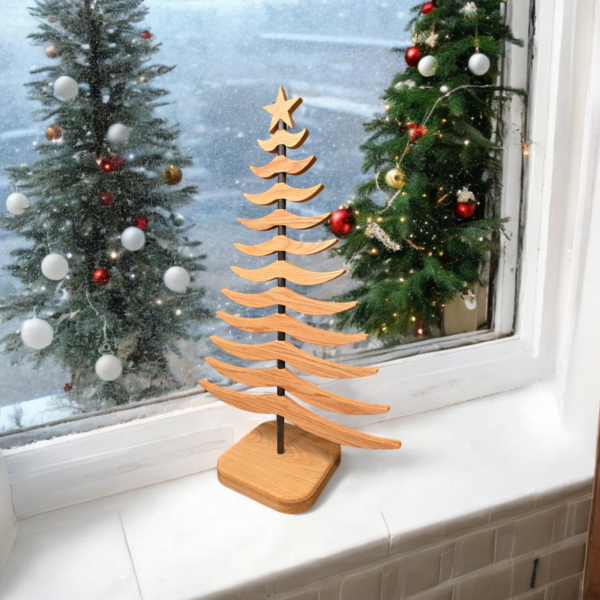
(423, 228)
(107, 289)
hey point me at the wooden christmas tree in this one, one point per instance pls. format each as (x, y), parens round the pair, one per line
(287, 474)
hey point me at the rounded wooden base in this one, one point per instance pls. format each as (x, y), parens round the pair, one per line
(290, 482)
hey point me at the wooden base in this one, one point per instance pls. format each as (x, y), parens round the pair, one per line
(290, 482)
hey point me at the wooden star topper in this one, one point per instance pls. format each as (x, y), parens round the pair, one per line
(282, 109)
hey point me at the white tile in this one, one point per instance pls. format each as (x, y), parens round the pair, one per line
(86, 560)
(505, 536)
(474, 551)
(567, 589)
(439, 593)
(305, 595)
(579, 516)
(567, 561)
(492, 585)
(560, 524)
(534, 531)
(362, 585)
(389, 583)
(330, 588)
(421, 570)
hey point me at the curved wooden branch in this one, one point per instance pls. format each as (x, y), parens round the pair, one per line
(294, 357)
(289, 298)
(282, 268)
(283, 164)
(283, 243)
(285, 406)
(285, 138)
(283, 191)
(297, 329)
(285, 218)
(292, 383)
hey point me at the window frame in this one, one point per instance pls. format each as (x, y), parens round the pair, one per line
(79, 467)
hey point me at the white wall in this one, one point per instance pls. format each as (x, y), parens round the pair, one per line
(8, 523)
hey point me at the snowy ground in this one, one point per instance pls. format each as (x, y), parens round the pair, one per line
(231, 58)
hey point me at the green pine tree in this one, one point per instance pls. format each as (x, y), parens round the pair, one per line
(87, 187)
(437, 157)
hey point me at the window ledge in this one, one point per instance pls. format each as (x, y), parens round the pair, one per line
(460, 467)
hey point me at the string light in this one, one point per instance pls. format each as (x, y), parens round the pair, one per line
(114, 254)
(467, 142)
(178, 312)
(525, 149)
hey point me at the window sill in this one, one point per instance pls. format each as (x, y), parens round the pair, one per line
(460, 467)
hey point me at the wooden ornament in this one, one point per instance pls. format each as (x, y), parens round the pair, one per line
(287, 473)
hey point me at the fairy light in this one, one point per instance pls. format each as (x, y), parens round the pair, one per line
(413, 319)
(114, 254)
(401, 279)
(467, 142)
(525, 149)
(402, 219)
(420, 331)
(178, 312)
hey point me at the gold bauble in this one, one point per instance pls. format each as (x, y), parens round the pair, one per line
(51, 52)
(395, 178)
(53, 133)
(172, 175)
(373, 251)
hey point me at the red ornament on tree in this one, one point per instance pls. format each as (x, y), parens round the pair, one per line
(465, 209)
(341, 221)
(146, 35)
(106, 198)
(110, 164)
(141, 223)
(67, 387)
(101, 276)
(427, 7)
(415, 131)
(118, 162)
(412, 56)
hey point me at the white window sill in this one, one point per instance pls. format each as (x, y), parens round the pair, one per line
(190, 538)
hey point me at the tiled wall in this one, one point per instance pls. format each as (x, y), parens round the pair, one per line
(531, 551)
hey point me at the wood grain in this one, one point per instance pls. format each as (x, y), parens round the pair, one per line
(283, 191)
(289, 298)
(282, 109)
(294, 357)
(290, 482)
(285, 138)
(285, 218)
(285, 406)
(295, 385)
(291, 326)
(282, 268)
(283, 164)
(282, 243)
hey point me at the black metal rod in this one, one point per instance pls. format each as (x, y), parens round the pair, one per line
(281, 230)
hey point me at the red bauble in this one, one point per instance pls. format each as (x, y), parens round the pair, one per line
(412, 56)
(106, 198)
(465, 209)
(146, 35)
(427, 7)
(101, 276)
(117, 161)
(341, 221)
(415, 131)
(141, 223)
(67, 387)
(110, 164)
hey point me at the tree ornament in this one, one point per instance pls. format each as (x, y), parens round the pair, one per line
(51, 51)
(55, 267)
(415, 131)
(427, 8)
(112, 163)
(16, 203)
(106, 198)
(395, 178)
(408, 83)
(101, 276)
(66, 88)
(431, 40)
(67, 387)
(141, 223)
(146, 35)
(118, 133)
(470, 299)
(465, 209)
(374, 231)
(37, 333)
(479, 64)
(373, 251)
(178, 219)
(53, 133)
(133, 238)
(427, 66)
(341, 221)
(172, 175)
(444, 89)
(108, 367)
(469, 9)
(412, 56)
(177, 279)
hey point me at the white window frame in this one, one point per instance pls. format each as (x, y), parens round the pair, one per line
(188, 439)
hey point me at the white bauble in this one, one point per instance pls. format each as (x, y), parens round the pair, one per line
(66, 88)
(55, 267)
(37, 333)
(479, 64)
(17, 203)
(444, 89)
(427, 66)
(108, 367)
(133, 238)
(471, 303)
(118, 133)
(177, 279)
